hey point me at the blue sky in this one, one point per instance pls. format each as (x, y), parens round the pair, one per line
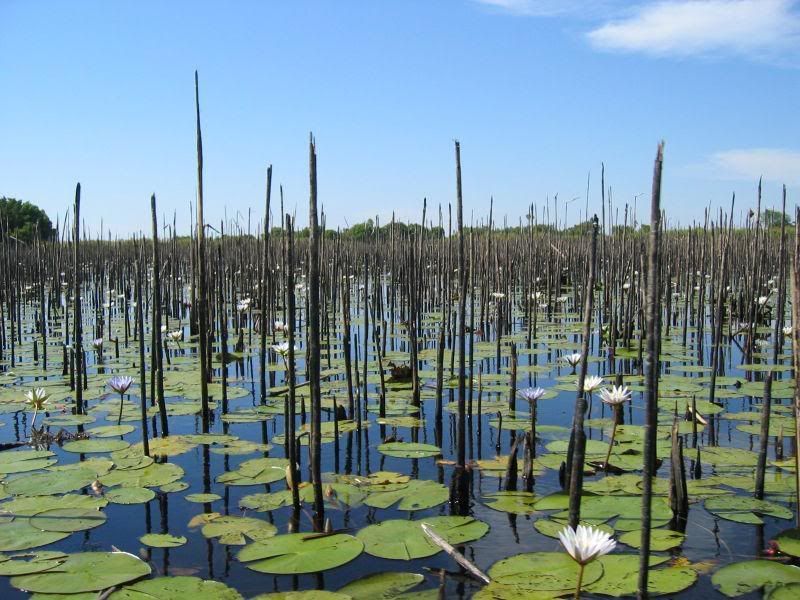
(539, 92)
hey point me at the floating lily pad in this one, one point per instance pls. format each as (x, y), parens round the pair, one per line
(416, 495)
(751, 575)
(517, 503)
(256, 471)
(85, 572)
(297, 553)
(381, 585)
(202, 498)
(409, 450)
(405, 540)
(25, 564)
(542, 571)
(744, 509)
(162, 540)
(232, 530)
(660, 539)
(104, 431)
(130, 495)
(95, 445)
(68, 519)
(789, 542)
(176, 588)
(49, 483)
(25, 460)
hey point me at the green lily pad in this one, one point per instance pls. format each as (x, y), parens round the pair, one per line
(620, 577)
(25, 564)
(176, 588)
(542, 571)
(256, 471)
(405, 540)
(21, 461)
(21, 535)
(85, 572)
(381, 585)
(297, 553)
(409, 450)
(744, 509)
(68, 519)
(104, 431)
(266, 502)
(162, 540)
(233, 531)
(49, 483)
(660, 539)
(751, 575)
(202, 498)
(95, 445)
(130, 495)
(789, 542)
(416, 495)
(517, 503)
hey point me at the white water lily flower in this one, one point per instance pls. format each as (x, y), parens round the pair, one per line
(282, 348)
(163, 329)
(762, 300)
(615, 395)
(591, 383)
(787, 330)
(120, 383)
(586, 543)
(97, 344)
(176, 335)
(37, 398)
(572, 359)
(281, 326)
(531, 394)
(244, 304)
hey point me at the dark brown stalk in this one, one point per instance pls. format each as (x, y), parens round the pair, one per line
(201, 269)
(315, 443)
(652, 371)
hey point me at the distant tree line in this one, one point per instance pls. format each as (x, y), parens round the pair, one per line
(24, 220)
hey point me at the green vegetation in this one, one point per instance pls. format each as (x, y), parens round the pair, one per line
(25, 220)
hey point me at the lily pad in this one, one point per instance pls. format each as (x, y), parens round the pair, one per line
(176, 588)
(232, 530)
(381, 585)
(95, 445)
(416, 495)
(162, 540)
(68, 519)
(409, 450)
(744, 509)
(130, 495)
(751, 575)
(85, 572)
(405, 540)
(297, 553)
(542, 571)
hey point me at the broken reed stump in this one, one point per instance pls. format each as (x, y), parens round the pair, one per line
(761, 465)
(678, 494)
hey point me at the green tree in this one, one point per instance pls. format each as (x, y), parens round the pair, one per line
(772, 218)
(24, 220)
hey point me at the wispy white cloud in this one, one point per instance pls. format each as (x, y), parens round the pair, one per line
(773, 164)
(757, 28)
